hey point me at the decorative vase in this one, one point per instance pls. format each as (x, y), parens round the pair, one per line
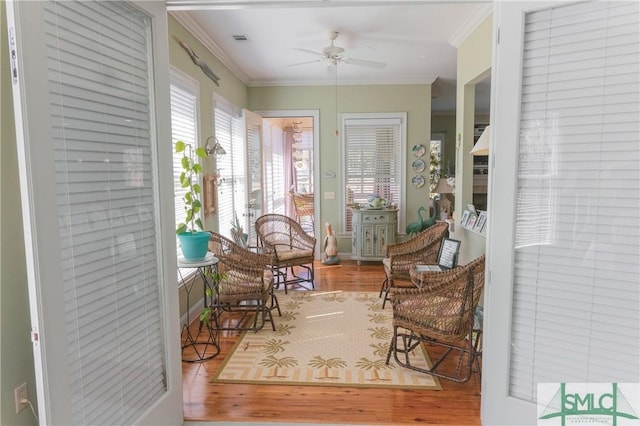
(194, 245)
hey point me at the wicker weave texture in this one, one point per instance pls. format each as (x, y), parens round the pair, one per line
(442, 306)
(279, 234)
(246, 275)
(303, 204)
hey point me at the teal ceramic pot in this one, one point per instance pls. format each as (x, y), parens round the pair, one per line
(194, 245)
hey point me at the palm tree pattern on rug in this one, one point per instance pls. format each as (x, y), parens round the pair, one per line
(324, 338)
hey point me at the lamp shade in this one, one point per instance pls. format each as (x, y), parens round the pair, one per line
(443, 187)
(482, 146)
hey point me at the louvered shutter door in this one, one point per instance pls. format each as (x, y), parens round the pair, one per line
(576, 269)
(98, 60)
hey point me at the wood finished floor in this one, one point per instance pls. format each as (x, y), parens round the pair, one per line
(456, 404)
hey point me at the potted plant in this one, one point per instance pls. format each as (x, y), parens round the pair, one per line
(194, 242)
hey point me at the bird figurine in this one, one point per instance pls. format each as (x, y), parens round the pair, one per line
(330, 248)
(199, 62)
(431, 220)
(416, 227)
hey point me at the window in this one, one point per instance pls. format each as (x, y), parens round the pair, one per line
(184, 127)
(373, 158)
(274, 168)
(231, 167)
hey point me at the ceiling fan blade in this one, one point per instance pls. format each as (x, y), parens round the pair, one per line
(308, 51)
(365, 63)
(302, 63)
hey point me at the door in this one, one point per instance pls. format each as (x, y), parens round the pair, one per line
(91, 101)
(562, 296)
(255, 185)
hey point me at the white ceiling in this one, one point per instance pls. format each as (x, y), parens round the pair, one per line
(416, 39)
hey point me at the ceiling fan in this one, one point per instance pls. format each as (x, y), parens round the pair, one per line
(334, 55)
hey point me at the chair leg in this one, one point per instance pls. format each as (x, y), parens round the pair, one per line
(383, 287)
(386, 292)
(274, 303)
(411, 341)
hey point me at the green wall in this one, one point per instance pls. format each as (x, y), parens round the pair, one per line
(231, 88)
(16, 355)
(474, 65)
(415, 100)
(446, 123)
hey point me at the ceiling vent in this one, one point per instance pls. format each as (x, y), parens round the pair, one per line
(240, 37)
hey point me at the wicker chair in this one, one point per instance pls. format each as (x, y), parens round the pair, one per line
(400, 257)
(440, 311)
(303, 205)
(289, 246)
(246, 285)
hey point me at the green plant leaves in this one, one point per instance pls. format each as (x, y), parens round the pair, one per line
(190, 168)
(200, 152)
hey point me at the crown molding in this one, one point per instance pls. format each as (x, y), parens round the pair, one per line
(347, 82)
(468, 27)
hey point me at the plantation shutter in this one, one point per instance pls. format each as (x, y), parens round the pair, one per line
(576, 300)
(229, 131)
(184, 127)
(373, 151)
(99, 66)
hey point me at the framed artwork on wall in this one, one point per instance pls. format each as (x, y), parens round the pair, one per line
(210, 194)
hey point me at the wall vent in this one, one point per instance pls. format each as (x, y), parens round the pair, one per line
(240, 37)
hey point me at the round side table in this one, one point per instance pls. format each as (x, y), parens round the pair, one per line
(204, 344)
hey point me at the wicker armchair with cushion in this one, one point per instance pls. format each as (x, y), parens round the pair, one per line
(289, 247)
(303, 205)
(440, 312)
(246, 285)
(400, 257)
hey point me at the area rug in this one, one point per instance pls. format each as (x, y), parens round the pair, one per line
(324, 339)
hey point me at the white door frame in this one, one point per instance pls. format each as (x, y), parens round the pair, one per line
(315, 114)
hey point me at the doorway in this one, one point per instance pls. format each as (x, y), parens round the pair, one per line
(290, 165)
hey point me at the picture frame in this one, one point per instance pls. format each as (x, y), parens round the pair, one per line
(448, 256)
(480, 223)
(210, 194)
(471, 223)
(465, 218)
(472, 208)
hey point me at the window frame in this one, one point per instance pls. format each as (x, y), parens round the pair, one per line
(401, 173)
(192, 87)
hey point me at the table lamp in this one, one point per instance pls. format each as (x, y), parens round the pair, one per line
(444, 204)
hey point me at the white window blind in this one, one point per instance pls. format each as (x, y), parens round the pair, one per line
(576, 311)
(372, 160)
(184, 127)
(99, 60)
(231, 167)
